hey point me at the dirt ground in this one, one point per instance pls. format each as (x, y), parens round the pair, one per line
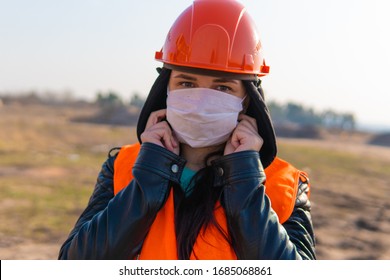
(352, 223)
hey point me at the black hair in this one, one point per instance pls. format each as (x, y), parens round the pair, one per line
(195, 212)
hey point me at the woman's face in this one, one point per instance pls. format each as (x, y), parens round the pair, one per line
(182, 80)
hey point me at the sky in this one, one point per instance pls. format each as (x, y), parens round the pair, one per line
(324, 54)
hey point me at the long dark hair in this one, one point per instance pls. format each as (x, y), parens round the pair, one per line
(195, 212)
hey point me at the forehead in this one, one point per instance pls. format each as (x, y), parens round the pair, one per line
(176, 74)
(211, 73)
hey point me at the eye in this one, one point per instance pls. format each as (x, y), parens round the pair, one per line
(223, 88)
(186, 84)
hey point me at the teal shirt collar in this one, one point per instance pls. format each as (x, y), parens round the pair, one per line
(185, 180)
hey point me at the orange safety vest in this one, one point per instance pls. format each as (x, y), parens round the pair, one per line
(160, 243)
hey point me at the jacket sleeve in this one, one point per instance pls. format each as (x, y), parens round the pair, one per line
(113, 227)
(253, 224)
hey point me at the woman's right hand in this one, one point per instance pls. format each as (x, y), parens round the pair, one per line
(159, 132)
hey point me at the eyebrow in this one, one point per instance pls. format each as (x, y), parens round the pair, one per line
(184, 76)
(224, 80)
(217, 80)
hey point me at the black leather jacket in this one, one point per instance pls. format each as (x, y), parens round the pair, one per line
(114, 227)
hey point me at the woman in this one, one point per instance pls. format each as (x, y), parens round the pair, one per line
(204, 181)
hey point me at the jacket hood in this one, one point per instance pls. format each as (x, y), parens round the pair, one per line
(257, 109)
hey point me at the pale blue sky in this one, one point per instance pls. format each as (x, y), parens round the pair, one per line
(322, 53)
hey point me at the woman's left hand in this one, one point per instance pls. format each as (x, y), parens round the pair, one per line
(245, 136)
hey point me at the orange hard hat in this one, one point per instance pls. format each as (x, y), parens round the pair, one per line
(215, 35)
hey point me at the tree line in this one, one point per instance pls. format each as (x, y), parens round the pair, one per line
(298, 114)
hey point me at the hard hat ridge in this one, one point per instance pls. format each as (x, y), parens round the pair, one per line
(217, 35)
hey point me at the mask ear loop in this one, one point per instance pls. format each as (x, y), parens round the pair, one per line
(245, 103)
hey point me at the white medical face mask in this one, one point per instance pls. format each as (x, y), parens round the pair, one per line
(202, 117)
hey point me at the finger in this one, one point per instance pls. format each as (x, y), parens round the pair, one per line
(156, 117)
(154, 132)
(246, 119)
(235, 139)
(229, 147)
(167, 137)
(243, 131)
(163, 133)
(168, 130)
(245, 127)
(167, 141)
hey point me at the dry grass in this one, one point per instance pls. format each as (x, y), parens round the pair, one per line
(48, 167)
(350, 196)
